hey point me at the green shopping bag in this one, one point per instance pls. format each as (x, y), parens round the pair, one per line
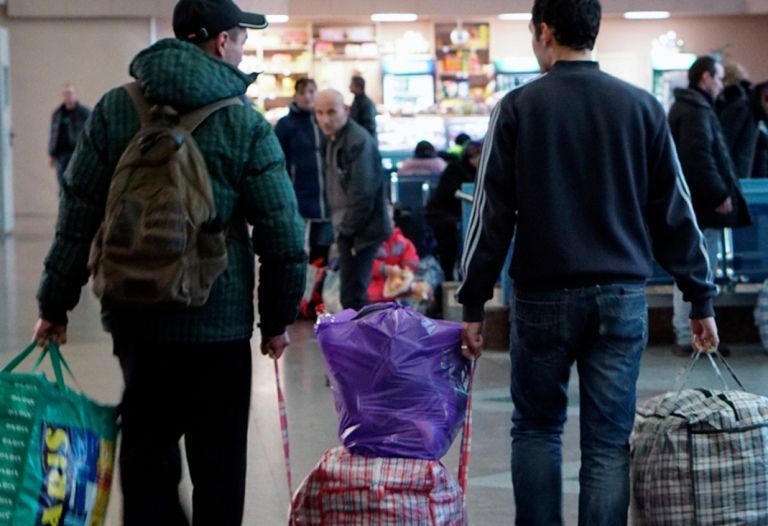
(57, 448)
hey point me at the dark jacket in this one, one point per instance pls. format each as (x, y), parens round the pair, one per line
(739, 123)
(444, 201)
(357, 187)
(77, 119)
(250, 186)
(580, 167)
(760, 164)
(705, 160)
(363, 112)
(302, 143)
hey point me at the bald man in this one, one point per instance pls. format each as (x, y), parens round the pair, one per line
(356, 190)
(67, 124)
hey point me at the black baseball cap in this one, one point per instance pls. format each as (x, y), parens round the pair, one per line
(198, 20)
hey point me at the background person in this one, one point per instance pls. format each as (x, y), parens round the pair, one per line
(444, 209)
(357, 195)
(588, 216)
(302, 143)
(424, 161)
(709, 173)
(67, 124)
(363, 110)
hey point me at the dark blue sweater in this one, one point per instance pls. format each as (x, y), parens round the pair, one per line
(580, 166)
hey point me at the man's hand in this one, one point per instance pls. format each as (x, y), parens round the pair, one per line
(46, 331)
(726, 207)
(275, 345)
(472, 339)
(52, 161)
(705, 336)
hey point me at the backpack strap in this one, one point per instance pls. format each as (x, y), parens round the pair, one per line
(195, 118)
(139, 101)
(190, 120)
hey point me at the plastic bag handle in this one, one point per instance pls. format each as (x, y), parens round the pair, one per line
(286, 442)
(57, 362)
(466, 437)
(13, 364)
(683, 376)
(370, 309)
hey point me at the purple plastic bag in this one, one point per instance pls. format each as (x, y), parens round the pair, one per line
(398, 378)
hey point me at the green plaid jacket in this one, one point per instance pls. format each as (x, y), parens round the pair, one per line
(250, 186)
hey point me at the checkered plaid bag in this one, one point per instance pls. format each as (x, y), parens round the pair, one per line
(700, 457)
(351, 490)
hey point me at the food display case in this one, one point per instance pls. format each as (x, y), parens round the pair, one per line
(511, 72)
(341, 52)
(464, 71)
(281, 55)
(408, 83)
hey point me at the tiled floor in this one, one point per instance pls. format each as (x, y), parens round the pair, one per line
(312, 418)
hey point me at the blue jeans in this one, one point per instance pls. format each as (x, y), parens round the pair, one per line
(604, 329)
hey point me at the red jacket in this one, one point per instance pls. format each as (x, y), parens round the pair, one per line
(397, 250)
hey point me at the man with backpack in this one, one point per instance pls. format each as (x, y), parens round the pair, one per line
(173, 262)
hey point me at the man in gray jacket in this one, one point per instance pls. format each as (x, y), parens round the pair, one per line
(356, 192)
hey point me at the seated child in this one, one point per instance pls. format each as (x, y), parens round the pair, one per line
(394, 267)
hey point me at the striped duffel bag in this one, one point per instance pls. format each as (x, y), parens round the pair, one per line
(700, 457)
(346, 489)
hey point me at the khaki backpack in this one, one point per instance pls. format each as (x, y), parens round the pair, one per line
(160, 242)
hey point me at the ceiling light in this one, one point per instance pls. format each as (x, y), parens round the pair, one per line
(515, 16)
(277, 19)
(646, 15)
(394, 17)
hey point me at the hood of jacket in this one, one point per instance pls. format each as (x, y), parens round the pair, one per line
(181, 74)
(693, 97)
(296, 111)
(735, 92)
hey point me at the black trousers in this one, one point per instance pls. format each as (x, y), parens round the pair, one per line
(355, 273)
(446, 230)
(62, 161)
(201, 392)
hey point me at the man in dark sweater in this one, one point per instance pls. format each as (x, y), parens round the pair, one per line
(581, 168)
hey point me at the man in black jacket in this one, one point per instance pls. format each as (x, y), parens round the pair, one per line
(67, 124)
(580, 167)
(363, 110)
(708, 169)
(742, 118)
(444, 209)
